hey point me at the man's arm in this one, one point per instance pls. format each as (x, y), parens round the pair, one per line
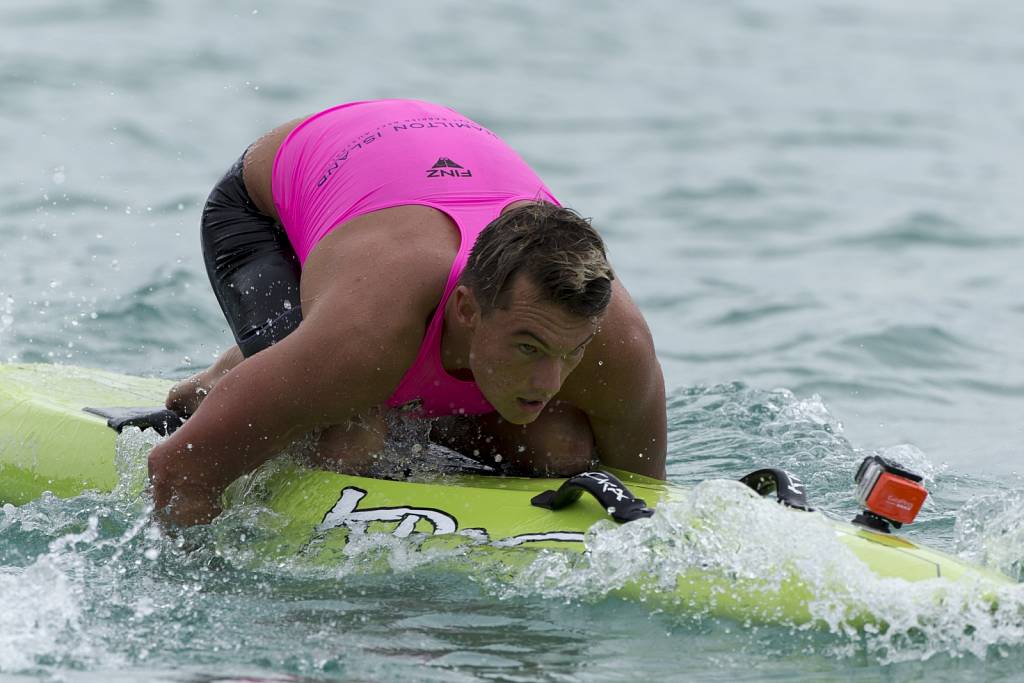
(621, 389)
(331, 367)
(634, 437)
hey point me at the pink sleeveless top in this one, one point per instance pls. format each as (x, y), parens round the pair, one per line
(361, 157)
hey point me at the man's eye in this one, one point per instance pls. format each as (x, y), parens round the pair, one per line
(527, 349)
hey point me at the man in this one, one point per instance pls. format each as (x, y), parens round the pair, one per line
(394, 255)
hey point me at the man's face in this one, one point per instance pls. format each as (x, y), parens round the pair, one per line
(520, 355)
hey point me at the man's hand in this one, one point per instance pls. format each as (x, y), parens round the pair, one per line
(185, 397)
(180, 497)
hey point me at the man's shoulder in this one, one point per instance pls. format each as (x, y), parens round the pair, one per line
(620, 364)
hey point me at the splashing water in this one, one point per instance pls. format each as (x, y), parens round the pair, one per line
(106, 589)
(989, 530)
(721, 529)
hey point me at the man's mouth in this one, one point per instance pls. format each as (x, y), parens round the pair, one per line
(530, 406)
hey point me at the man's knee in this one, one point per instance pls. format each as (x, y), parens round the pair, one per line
(352, 448)
(558, 443)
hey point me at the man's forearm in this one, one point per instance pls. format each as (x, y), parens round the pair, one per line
(638, 443)
(237, 428)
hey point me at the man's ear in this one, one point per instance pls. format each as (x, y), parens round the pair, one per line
(467, 308)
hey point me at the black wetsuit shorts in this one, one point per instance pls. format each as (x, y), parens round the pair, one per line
(252, 266)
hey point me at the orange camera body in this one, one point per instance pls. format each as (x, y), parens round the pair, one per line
(888, 491)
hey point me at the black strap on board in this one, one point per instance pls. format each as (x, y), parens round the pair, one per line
(787, 488)
(164, 421)
(611, 493)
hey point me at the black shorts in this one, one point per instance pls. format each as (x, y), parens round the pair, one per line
(252, 266)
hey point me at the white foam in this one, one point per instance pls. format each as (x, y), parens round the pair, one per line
(39, 606)
(808, 411)
(989, 530)
(721, 529)
(131, 461)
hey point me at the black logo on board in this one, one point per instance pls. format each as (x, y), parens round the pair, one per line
(446, 168)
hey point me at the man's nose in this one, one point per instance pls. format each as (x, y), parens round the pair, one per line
(547, 377)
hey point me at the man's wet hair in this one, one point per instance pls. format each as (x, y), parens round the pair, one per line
(555, 247)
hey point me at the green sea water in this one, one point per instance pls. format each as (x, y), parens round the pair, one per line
(815, 204)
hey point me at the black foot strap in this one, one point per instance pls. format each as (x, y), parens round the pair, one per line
(162, 420)
(611, 493)
(787, 488)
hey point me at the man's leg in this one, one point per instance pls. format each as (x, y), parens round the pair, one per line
(255, 276)
(251, 264)
(353, 447)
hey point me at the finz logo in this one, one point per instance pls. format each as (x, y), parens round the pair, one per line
(446, 168)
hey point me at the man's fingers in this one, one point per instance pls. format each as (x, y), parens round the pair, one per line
(185, 396)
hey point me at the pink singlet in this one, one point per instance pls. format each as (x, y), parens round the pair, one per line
(366, 156)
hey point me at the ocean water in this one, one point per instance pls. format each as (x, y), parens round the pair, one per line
(816, 205)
